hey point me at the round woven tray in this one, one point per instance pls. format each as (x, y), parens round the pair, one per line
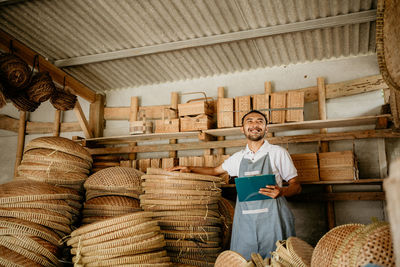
(193, 256)
(53, 205)
(205, 228)
(101, 212)
(326, 247)
(93, 219)
(180, 175)
(63, 100)
(227, 210)
(230, 258)
(43, 155)
(155, 207)
(179, 184)
(32, 164)
(141, 258)
(194, 245)
(160, 196)
(60, 144)
(37, 214)
(181, 192)
(177, 213)
(201, 263)
(14, 71)
(113, 203)
(9, 257)
(115, 177)
(300, 251)
(22, 102)
(91, 194)
(50, 174)
(41, 87)
(190, 235)
(168, 202)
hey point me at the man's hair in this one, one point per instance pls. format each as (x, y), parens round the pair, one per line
(255, 111)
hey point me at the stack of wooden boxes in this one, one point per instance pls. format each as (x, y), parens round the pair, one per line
(196, 116)
(307, 167)
(287, 107)
(169, 122)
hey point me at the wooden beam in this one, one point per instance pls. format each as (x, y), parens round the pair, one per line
(10, 124)
(82, 120)
(57, 74)
(382, 158)
(221, 94)
(133, 116)
(339, 196)
(96, 116)
(242, 142)
(21, 141)
(57, 118)
(174, 106)
(333, 21)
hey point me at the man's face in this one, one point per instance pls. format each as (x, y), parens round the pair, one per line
(254, 127)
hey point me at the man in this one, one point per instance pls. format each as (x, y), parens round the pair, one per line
(257, 225)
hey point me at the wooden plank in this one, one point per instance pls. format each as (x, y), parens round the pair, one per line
(339, 196)
(360, 181)
(57, 74)
(242, 106)
(116, 113)
(96, 116)
(82, 120)
(174, 106)
(383, 170)
(229, 120)
(57, 117)
(242, 142)
(21, 141)
(395, 106)
(295, 100)
(225, 112)
(278, 101)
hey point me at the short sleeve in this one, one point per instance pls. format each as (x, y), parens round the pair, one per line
(285, 166)
(231, 164)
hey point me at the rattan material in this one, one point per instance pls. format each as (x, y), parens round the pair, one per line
(113, 203)
(32, 164)
(180, 175)
(101, 212)
(115, 178)
(141, 258)
(50, 174)
(182, 192)
(63, 100)
(193, 256)
(204, 228)
(10, 258)
(44, 155)
(22, 102)
(201, 213)
(14, 71)
(41, 87)
(3, 100)
(60, 144)
(93, 219)
(179, 184)
(300, 251)
(199, 263)
(178, 197)
(194, 245)
(325, 249)
(230, 258)
(58, 205)
(169, 202)
(156, 207)
(91, 194)
(183, 235)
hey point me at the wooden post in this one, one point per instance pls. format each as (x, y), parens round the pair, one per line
(96, 116)
(133, 113)
(21, 141)
(82, 120)
(330, 208)
(268, 92)
(57, 123)
(221, 94)
(382, 157)
(174, 106)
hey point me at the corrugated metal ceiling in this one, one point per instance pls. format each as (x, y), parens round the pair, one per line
(74, 29)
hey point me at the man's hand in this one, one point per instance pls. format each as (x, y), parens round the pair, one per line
(179, 168)
(272, 191)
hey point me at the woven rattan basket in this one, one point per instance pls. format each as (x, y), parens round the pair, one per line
(141, 258)
(179, 175)
(230, 258)
(43, 155)
(112, 203)
(29, 164)
(191, 262)
(3, 100)
(326, 247)
(300, 251)
(41, 87)
(60, 144)
(14, 71)
(114, 179)
(22, 102)
(63, 100)
(227, 210)
(156, 207)
(9, 257)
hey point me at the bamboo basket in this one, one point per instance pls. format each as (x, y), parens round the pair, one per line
(41, 87)
(230, 258)
(14, 71)
(63, 100)
(22, 102)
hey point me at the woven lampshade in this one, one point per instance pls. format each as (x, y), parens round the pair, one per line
(41, 87)
(14, 71)
(63, 100)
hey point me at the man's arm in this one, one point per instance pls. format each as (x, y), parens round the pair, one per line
(275, 191)
(215, 171)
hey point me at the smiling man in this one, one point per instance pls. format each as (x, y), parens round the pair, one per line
(257, 225)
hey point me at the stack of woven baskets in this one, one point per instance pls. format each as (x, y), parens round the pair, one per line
(186, 206)
(129, 240)
(56, 160)
(111, 192)
(27, 90)
(34, 216)
(292, 252)
(226, 208)
(355, 245)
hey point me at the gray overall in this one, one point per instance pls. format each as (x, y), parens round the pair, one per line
(257, 225)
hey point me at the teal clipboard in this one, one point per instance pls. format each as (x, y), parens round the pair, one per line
(247, 187)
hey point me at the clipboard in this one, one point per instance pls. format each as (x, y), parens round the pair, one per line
(247, 187)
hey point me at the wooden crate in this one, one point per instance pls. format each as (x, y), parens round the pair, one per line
(140, 127)
(214, 160)
(125, 163)
(335, 166)
(242, 106)
(168, 162)
(144, 164)
(191, 161)
(225, 113)
(155, 163)
(307, 167)
(196, 108)
(278, 100)
(167, 126)
(261, 103)
(200, 122)
(295, 100)
(157, 112)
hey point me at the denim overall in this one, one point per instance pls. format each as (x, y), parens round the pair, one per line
(257, 225)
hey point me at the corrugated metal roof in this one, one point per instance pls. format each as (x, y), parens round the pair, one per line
(64, 29)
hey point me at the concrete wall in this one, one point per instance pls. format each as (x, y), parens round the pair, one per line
(310, 217)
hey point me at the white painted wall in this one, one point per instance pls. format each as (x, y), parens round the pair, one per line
(310, 217)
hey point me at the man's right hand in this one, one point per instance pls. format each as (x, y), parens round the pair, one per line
(179, 168)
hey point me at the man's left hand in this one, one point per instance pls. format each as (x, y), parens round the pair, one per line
(272, 191)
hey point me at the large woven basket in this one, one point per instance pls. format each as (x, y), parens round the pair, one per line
(227, 210)
(41, 87)
(230, 258)
(14, 71)
(114, 179)
(3, 100)
(43, 155)
(22, 102)
(63, 100)
(112, 203)
(60, 144)
(9, 257)
(31, 164)
(180, 175)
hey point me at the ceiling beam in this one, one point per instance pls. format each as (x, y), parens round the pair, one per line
(335, 21)
(56, 73)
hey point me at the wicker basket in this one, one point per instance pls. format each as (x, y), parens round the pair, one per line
(230, 258)
(115, 179)
(3, 100)
(43, 155)
(14, 71)
(179, 175)
(9, 257)
(112, 203)
(63, 100)
(22, 102)
(227, 210)
(41, 87)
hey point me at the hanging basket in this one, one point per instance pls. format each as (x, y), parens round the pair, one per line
(41, 87)
(23, 103)
(3, 101)
(14, 71)
(62, 100)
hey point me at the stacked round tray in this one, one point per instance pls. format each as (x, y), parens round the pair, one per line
(55, 160)
(34, 217)
(111, 192)
(128, 240)
(186, 206)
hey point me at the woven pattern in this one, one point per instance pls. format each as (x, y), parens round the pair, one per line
(130, 239)
(14, 71)
(227, 210)
(41, 87)
(63, 100)
(3, 100)
(22, 102)
(186, 207)
(230, 258)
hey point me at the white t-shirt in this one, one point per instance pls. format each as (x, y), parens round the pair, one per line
(281, 162)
